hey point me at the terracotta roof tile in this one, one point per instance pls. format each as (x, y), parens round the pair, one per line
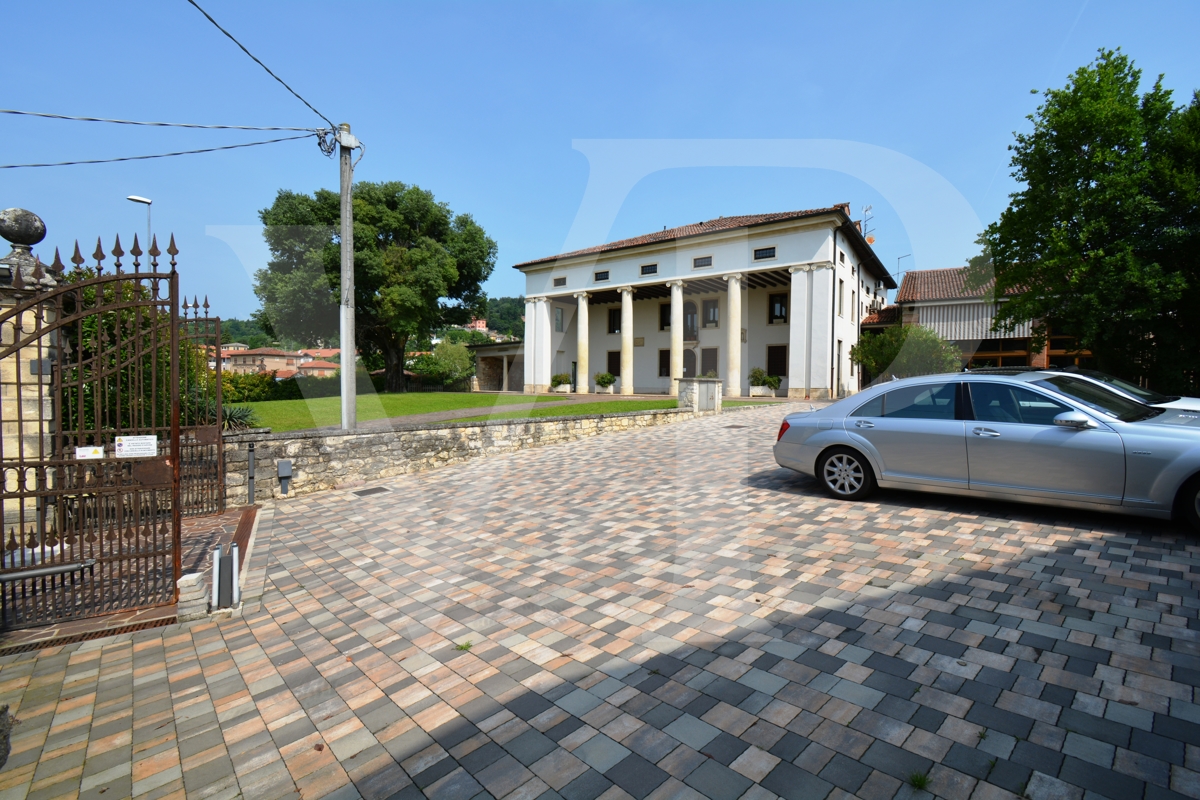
(697, 229)
(320, 365)
(921, 285)
(888, 315)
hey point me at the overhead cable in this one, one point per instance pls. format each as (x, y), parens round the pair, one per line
(153, 124)
(157, 155)
(261, 64)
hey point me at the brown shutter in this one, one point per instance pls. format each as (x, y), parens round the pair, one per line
(777, 360)
(708, 360)
(614, 362)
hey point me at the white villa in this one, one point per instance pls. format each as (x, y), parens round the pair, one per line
(655, 308)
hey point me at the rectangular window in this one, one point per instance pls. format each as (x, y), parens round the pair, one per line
(838, 385)
(664, 363)
(841, 257)
(777, 306)
(854, 304)
(649, 269)
(614, 363)
(614, 321)
(664, 316)
(708, 361)
(701, 262)
(558, 320)
(764, 253)
(712, 314)
(560, 282)
(841, 298)
(602, 275)
(777, 360)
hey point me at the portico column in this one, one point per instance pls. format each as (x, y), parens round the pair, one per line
(676, 335)
(626, 340)
(733, 373)
(584, 380)
(531, 345)
(797, 342)
(504, 380)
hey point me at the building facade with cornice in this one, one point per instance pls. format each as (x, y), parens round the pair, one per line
(783, 292)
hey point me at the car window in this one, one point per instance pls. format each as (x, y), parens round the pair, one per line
(1098, 398)
(871, 408)
(1145, 395)
(927, 401)
(999, 402)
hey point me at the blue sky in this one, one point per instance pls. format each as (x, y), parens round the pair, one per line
(481, 103)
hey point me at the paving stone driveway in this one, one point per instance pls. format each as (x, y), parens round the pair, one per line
(656, 614)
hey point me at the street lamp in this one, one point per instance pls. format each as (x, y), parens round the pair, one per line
(146, 201)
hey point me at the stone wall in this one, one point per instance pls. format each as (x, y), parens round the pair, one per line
(330, 459)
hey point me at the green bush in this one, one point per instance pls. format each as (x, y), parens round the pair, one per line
(712, 373)
(605, 379)
(256, 387)
(759, 377)
(561, 379)
(904, 351)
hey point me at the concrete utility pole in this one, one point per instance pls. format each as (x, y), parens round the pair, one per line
(347, 143)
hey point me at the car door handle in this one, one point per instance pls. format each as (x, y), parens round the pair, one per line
(986, 433)
(862, 423)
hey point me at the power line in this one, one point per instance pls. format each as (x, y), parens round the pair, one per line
(261, 64)
(152, 124)
(157, 155)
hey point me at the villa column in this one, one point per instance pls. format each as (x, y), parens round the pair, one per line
(626, 340)
(798, 319)
(530, 346)
(584, 380)
(504, 380)
(676, 335)
(733, 373)
(545, 345)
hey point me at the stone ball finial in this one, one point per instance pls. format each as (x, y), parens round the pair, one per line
(21, 227)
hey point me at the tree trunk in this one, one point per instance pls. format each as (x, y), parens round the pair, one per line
(393, 363)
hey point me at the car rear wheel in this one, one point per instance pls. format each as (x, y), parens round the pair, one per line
(846, 474)
(1189, 503)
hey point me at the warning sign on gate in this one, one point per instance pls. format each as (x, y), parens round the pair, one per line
(89, 452)
(137, 446)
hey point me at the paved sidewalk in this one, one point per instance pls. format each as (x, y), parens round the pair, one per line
(655, 614)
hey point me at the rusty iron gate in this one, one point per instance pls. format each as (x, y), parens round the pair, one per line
(202, 456)
(91, 453)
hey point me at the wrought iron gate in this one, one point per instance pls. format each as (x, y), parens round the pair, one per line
(202, 463)
(91, 452)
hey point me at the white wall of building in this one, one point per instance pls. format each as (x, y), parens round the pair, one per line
(804, 246)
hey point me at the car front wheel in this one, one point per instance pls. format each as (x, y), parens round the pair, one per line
(846, 474)
(1189, 504)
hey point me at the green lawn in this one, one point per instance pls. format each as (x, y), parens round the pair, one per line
(580, 410)
(293, 415)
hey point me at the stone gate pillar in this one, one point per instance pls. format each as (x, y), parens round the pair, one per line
(26, 401)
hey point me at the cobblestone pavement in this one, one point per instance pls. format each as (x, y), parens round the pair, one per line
(655, 614)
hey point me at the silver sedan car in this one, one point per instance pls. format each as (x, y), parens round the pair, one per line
(1035, 437)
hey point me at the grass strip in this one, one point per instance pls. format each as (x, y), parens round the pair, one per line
(294, 415)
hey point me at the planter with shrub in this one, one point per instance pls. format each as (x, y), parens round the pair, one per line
(604, 382)
(762, 384)
(560, 383)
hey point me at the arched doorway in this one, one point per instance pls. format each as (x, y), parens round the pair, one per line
(689, 362)
(691, 324)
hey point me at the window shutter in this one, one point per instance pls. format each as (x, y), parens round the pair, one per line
(777, 360)
(614, 362)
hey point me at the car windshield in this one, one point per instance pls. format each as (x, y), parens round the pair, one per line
(1099, 398)
(1145, 395)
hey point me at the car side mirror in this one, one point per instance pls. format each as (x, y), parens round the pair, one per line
(1074, 419)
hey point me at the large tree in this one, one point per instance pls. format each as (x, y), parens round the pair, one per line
(417, 267)
(1101, 240)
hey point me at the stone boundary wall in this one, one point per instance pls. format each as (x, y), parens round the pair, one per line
(331, 459)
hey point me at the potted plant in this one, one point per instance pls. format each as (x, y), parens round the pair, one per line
(604, 382)
(560, 383)
(762, 384)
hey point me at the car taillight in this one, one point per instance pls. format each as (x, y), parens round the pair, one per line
(782, 430)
